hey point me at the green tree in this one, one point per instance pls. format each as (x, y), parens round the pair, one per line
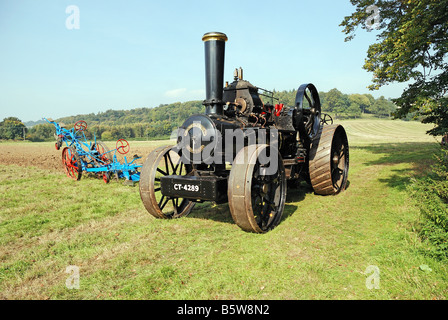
(343, 105)
(286, 97)
(332, 99)
(361, 100)
(383, 107)
(412, 46)
(12, 128)
(371, 101)
(336, 102)
(354, 111)
(107, 136)
(41, 132)
(139, 130)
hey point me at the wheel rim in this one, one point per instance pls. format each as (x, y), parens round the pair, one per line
(266, 198)
(339, 162)
(163, 162)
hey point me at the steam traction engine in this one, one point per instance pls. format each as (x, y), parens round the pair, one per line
(244, 150)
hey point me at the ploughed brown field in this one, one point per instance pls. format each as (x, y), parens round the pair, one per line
(44, 155)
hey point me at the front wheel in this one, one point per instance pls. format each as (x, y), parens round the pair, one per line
(163, 162)
(257, 188)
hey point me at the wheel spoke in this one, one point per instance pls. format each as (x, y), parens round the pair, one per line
(264, 204)
(170, 169)
(336, 186)
(159, 163)
(265, 208)
(162, 205)
(257, 201)
(174, 205)
(166, 164)
(309, 100)
(72, 170)
(178, 166)
(333, 169)
(336, 171)
(342, 152)
(171, 163)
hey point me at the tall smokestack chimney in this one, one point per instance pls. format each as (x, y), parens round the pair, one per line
(214, 43)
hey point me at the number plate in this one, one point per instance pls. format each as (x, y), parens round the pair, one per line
(186, 187)
(193, 187)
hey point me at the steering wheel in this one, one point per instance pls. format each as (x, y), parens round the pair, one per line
(326, 119)
(123, 146)
(81, 125)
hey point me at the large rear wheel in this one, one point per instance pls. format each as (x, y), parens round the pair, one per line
(163, 162)
(256, 189)
(329, 160)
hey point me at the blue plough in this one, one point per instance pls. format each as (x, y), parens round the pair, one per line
(80, 155)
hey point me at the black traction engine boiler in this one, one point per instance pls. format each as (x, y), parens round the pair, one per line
(244, 150)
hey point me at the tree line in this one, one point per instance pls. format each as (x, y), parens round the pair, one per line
(345, 106)
(159, 122)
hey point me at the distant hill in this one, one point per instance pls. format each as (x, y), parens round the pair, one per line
(174, 112)
(30, 124)
(139, 123)
(159, 122)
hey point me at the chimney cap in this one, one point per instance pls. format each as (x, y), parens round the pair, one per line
(218, 36)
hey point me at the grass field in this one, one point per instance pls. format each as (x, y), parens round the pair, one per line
(321, 249)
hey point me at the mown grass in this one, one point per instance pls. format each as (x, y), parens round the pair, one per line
(320, 250)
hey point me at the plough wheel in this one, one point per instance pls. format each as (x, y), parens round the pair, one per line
(123, 146)
(256, 193)
(80, 125)
(329, 160)
(103, 152)
(163, 162)
(72, 163)
(106, 177)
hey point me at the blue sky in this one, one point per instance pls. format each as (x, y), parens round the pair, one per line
(132, 54)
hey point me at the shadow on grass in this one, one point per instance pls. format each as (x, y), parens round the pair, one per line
(419, 155)
(399, 180)
(394, 153)
(211, 211)
(221, 213)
